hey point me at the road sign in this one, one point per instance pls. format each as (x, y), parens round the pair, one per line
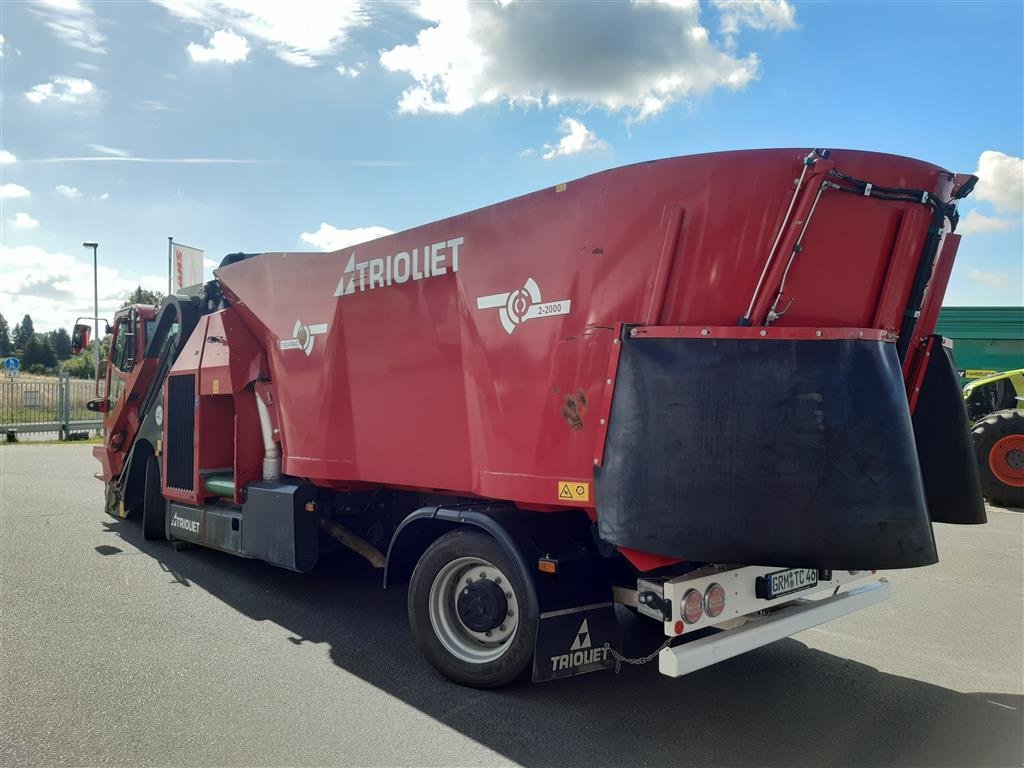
(11, 366)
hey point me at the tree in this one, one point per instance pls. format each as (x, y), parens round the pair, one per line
(38, 352)
(142, 296)
(5, 337)
(81, 367)
(61, 343)
(24, 332)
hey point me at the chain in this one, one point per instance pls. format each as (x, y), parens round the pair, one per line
(620, 659)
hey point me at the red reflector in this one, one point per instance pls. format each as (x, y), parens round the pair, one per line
(679, 627)
(714, 600)
(693, 606)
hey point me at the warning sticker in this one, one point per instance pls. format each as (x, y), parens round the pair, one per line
(974, 373)
(571, 490)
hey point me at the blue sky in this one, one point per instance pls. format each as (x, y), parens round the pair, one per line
(293, 116)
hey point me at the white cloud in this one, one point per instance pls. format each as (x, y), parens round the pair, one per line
(71, 22)
(975, 223)
(527, 152)
(1000, 181)
(578, 138)
(105, 196)
(7, 158)
(352, 72)
(151, 105)
(301, 32)
(55, 288)
(225, 46)
(329, 238)
(63, 89)
(3, 41)
(639, 56)
(22, 220)
(112, 151)
(776, 15)
(10, 191)
(66, 191)
(991, 279)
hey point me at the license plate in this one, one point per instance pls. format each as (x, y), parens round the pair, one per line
(773, 585)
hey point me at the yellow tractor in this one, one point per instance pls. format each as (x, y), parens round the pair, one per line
(995, 406)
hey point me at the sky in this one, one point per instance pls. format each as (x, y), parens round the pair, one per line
(300, 126)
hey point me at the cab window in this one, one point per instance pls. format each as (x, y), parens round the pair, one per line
(121, 353)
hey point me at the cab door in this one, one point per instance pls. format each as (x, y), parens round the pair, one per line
(120, 363)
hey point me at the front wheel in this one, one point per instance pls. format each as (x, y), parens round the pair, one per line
(153, 503)
(470, 611)
(999, 449)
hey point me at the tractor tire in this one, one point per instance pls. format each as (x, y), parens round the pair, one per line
(999, 450)
(471, 612)
(153, 504)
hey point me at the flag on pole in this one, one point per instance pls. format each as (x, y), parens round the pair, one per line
(186, 267)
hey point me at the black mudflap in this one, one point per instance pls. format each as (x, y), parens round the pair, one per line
(572, 642)
(943, 434)
(767, 451)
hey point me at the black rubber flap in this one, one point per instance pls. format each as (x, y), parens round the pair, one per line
(764, 452)
(944, 446)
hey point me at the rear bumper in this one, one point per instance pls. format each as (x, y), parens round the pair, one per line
(803, 614)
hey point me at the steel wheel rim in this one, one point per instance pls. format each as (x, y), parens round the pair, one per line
(458, 639)
(1006, 460)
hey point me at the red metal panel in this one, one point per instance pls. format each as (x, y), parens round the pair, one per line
(916, 364)
(605, 409)
(893, 299)
(673, 222)
(453, 356)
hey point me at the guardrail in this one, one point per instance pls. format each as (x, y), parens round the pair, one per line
(41, 406)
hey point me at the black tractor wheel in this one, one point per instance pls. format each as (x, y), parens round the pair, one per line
(471, 612)
(999, 450)
(153, 503)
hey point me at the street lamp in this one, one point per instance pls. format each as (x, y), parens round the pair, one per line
(96, 310)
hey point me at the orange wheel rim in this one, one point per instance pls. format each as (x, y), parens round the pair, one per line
(1006, 460)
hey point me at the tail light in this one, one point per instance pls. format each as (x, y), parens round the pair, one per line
(714, 600)
(693, 606)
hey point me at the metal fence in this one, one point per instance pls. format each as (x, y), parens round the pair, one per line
(42, 406)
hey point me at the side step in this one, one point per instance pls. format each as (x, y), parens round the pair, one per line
(689, 657)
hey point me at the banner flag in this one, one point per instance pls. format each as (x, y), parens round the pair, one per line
(187, 267)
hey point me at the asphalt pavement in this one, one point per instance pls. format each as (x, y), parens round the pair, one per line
(119, 651)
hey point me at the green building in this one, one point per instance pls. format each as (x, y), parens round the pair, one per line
(986, 340)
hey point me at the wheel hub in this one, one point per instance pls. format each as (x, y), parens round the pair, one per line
(474, 610)
(1015, 459)
(482, 605)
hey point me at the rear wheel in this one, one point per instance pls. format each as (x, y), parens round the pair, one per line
(470, 611)
(153, 504)
(999, 450)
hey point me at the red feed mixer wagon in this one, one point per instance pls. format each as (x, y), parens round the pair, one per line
(703, 387)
